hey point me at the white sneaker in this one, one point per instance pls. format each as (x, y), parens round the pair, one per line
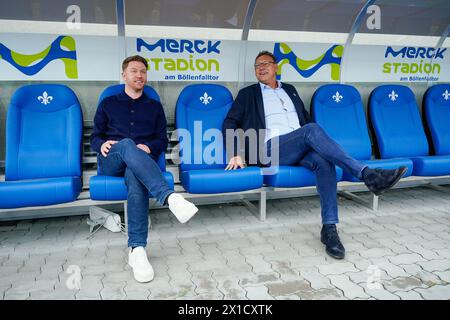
(181, 208)
(142, 269)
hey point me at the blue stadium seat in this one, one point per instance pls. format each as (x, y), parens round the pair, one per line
(114, 188)
(436, 112)
(398, 129)
(339, 110)
(200, 111)
(44, 126)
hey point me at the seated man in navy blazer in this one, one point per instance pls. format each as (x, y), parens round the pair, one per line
(276, 108)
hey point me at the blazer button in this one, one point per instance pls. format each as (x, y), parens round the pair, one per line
(132, 123)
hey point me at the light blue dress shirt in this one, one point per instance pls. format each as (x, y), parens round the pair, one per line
(280, 114)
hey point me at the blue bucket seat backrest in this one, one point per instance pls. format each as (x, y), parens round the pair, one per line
(43, 133)
(436, 111)
(200, 110)
(396, 122)
(338, 109)
(151, 93)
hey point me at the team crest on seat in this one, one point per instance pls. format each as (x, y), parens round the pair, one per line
(205, 99)
(393, 96)
(337, 97)
(446, 95)
(45, 98)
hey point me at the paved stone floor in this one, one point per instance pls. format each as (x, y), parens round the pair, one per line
(400, 252)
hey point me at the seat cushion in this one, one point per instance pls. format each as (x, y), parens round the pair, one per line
(114, 188)
(384, 164)
(431, 165)
(207, 181)
(292, 177)
(39, 192)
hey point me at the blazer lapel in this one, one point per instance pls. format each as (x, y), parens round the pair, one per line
(294, 99)
(260, 104)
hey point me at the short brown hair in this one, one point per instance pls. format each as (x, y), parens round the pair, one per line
(266, 53)
(134, 58)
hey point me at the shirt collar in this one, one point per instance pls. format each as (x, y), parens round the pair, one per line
(124, 97)
(263, 86)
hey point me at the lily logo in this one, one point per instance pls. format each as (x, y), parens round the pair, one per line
(45, 98)
(393, 96)
(337, 97)
(446, 95)
(205, 99)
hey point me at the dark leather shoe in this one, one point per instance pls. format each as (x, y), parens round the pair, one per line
(330, 238)
(379, 180)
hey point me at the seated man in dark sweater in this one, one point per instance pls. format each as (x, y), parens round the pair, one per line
(129, 135)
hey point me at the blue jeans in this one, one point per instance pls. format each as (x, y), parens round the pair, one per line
(310, 147)
(142, 176)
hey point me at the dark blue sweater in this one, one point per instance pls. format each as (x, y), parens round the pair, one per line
(142, 120)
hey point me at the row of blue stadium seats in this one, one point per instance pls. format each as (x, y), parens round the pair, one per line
(44, 134)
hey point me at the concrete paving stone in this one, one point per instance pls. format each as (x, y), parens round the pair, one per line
(395, 247)
(53, 295)
(425, 253)
(280, 255)
(206, 265)
(406, 258)
(443, 275)
(428, 236)
(19, 278)
(178, 271)
(315, 278)
(394, 271)
(438, 292)
(46, 285)
(381, 294)
(203, 282)
(336, 268)
(322, 294)
(370, 277)
(408, 295)
(435, 265)
(412, 238)
(113, 291)
(259, 265)
(435, 228)
(209, 296)
(428, 278)
(258, 279)
(14, 295)
(209, 249)
(435, 244)
(350, 289)
(116, 277)
(6, 271)
(258, 293)
(284, 269)
(286, 288)
(376, 253)
(366, 240)
(301, 262)
(214, 238)
(403, 284)
(99, 269)
(229, 287)
(183, 287)
(257, 249)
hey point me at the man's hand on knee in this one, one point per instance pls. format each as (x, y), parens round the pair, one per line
(144, 147)
(235, 163)
(104, 149)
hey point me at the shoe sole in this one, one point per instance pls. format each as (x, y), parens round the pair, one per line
(193, 210)
(139, 278)
(330, 254)
(400, 175)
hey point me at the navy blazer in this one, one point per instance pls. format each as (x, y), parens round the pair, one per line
(247, 112)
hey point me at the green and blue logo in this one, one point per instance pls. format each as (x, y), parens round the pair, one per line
(62, 48)
(306, 68)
